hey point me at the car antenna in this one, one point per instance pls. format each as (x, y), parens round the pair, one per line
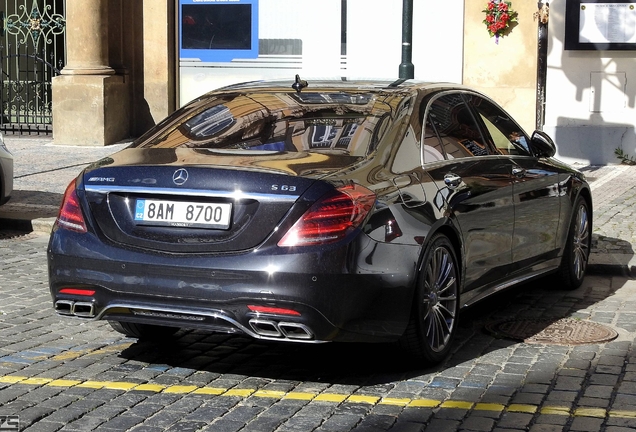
(397, 83)
(299, 84)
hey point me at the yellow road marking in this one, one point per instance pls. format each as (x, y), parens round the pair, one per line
(425, 403)
(590, 412)
(522, 408)
(12, 379)
(300, 396)
(37, 381)
(330, 397)
(269, 394)
(336, 398)
(622, 414)
(116, 385)
(210, 391)
(179, 389)
(239, 392)
(555, 410)
(363, 399)
(92, 384)
(394, 401)
(151, 387)
(457, 404)
(489, 407)
(63, 383)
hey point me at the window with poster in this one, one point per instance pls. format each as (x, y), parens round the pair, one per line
(218, 30)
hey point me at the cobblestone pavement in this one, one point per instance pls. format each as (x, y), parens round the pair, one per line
(64, 374)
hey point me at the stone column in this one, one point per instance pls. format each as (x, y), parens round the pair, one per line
(87, 38)
(90, 101)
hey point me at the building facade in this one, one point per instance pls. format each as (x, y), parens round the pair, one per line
(129, 63)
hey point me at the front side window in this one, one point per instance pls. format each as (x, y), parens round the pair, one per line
(507, 136)
(449, 118)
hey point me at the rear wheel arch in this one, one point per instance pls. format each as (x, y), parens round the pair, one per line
(577, 244)
(453, 236)
(587, 195)
(581, 193)
(435, 309)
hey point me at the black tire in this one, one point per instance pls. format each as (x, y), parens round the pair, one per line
(577, 247)
(143, 331)
(433, 323)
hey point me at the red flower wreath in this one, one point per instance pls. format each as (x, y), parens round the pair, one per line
(499, 15)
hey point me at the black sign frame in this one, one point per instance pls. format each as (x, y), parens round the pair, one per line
(572, 29)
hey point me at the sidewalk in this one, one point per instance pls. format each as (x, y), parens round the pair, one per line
(43, 170)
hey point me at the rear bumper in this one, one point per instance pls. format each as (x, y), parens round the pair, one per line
(361, 291)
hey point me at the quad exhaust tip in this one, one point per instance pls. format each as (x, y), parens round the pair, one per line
(262, 327)
(284, 330)
(73, 308)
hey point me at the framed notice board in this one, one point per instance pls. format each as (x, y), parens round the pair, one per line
(600, 25)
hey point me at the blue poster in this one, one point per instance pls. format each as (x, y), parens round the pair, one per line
(218, 30)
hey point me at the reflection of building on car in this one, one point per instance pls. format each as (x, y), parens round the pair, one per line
(458, 128)
(244, 122)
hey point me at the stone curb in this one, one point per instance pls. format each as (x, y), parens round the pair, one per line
(616, 264)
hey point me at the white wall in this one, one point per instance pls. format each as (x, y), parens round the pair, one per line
(374, 44)
(590, 107)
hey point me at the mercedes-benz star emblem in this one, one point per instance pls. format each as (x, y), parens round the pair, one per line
(180, 176)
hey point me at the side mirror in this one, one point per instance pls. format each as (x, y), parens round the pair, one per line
(542, 145)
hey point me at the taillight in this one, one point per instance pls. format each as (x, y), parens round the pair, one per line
(70, 216)
(77, 291)
(331, 218)
(273, 310)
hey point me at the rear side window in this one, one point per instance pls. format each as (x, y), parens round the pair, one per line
(450, 120)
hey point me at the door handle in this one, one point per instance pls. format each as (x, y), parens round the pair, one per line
(518, 172)
(452, 181)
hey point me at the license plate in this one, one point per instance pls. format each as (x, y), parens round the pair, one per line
(183, 214)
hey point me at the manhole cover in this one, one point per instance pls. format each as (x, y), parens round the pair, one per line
(565, 331)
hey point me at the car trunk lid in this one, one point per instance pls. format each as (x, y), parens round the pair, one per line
(200, 201)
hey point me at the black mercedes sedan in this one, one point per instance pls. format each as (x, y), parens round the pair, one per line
(319, 211)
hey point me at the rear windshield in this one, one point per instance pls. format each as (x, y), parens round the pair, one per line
(336, 122)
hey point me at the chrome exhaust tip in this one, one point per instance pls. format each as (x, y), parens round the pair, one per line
(265, 328)
(78, 309)
(64, 307)
(295, 331)
(84, 309)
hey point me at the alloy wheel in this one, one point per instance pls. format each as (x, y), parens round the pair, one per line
(581, 241)
(440, 299)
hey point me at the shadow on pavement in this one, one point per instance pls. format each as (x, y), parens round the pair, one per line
(612, 256)
(360, 364)
(28, 204)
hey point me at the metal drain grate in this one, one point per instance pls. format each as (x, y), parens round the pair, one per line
(565, 331)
